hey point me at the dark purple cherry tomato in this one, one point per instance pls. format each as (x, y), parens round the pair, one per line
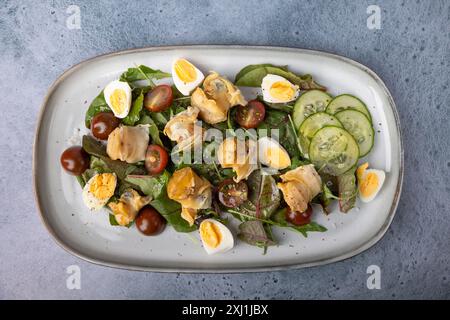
(103, 124)
(251, 115)
(232, 194)
(75, 160)
(150, 222)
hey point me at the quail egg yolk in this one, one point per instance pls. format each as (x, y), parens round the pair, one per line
(282, 91)
(119, 100)
(103, 185)
(361, 169)
(277, 159)
(369, 184)
(210, 234)
(185, 71)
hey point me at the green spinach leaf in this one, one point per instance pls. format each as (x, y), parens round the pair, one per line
(135, 113)
(252, 67)
(152, 129)
(156, 187)
(253, 78)
(143, 73)
(97, 105)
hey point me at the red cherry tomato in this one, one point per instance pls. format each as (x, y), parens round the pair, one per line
(159, 98)
(156, 159)
(251, 115)
(75, 160)
(103, 124)
(299, 218)
(150, 222)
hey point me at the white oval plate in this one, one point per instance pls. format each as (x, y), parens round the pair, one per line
(89, 235)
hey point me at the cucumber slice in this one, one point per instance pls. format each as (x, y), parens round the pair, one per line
(311, 125)
(359, 126)
(310, 102)
(333, 150)
(347, 101)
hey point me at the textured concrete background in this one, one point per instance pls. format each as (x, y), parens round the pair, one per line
(411, 53)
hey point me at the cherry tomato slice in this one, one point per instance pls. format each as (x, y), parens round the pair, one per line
(232, 194)
(159, 98)
(156, 159)
(103, 124)
(251, 115)
(75, 160)
(149, 222)
(299, 218)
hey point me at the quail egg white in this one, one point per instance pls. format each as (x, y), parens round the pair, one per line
(272, 154)
(370, 182)
(118, 98)
(186, 76)
(216, 238)
(98, 190)
(276, 89)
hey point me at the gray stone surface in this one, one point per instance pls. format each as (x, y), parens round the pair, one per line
(410, 52)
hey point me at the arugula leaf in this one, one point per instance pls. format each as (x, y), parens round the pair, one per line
(347, 191)
(135, 113)
(253, 233)
(143, 73)
(285, 107)
(280, 218)
(156, 187)
(152, 129)
(97, 105)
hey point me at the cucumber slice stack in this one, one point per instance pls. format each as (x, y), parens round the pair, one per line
(311, 125)
(333, 150)
(333, 132)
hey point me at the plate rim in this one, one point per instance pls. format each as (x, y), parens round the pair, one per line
(365, 246)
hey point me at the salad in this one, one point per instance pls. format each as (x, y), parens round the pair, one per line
(192, 152)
